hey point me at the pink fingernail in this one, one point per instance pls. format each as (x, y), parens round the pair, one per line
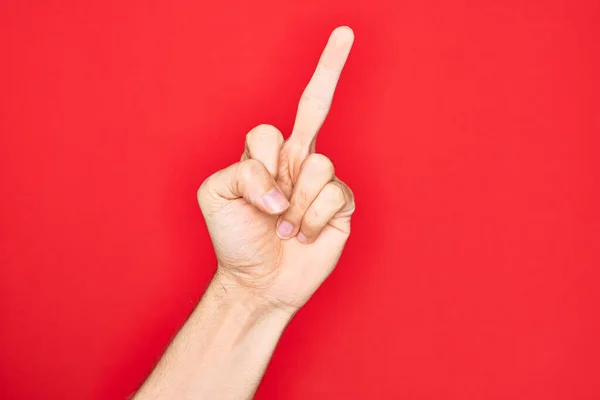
(301, 238)
(285, 229)
(275, 201)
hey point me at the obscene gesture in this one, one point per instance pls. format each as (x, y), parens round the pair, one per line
(279, 218)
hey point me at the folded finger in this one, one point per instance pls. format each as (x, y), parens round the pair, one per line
(316, 171)
(247, 179)
(335, 199)
(263, 143)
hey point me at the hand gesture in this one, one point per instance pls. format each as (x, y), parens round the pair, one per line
(279, 218)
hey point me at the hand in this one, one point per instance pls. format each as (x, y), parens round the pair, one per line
(279, 218)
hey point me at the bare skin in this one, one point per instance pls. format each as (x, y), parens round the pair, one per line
(278, 220)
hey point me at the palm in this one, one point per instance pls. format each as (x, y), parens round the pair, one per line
(286, 271)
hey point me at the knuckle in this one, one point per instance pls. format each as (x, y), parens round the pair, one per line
(336, 194)
(320, 163)
(251, 138)
(264, 131)
(348, 196)
(319, 103)
(351, 198)
(203, 192)
(332, 69)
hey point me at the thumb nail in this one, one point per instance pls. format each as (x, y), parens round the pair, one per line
(275, 201)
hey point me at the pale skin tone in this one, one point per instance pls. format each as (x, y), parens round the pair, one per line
(278, 220)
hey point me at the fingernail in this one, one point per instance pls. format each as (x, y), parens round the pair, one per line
(275, 201)
(301, 238)
(285, 229)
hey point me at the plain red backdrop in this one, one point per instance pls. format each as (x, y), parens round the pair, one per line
(467, 129)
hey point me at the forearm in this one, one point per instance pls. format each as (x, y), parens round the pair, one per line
(222, 350)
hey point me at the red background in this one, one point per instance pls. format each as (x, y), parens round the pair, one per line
(468, 131)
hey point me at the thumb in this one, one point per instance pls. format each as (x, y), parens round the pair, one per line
(247, 179)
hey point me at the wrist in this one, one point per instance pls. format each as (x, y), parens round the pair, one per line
(245, 301)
